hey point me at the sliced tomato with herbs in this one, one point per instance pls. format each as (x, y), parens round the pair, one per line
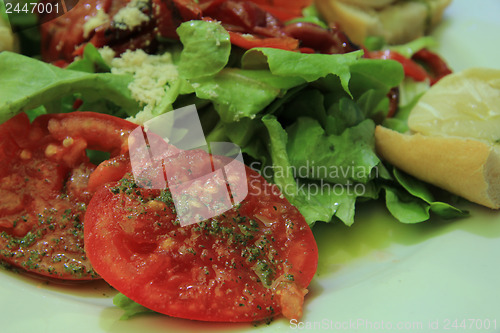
(250, 263)
(44, 177)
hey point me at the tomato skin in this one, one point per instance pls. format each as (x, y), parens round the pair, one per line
(256, 23)
(64, 37)
(250, 41)
(436, 65)
(253, 262)
(437, 68)
(410, 67)
(44, 177)
(282, 9)
(325, 41)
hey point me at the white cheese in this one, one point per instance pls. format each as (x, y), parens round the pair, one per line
(153, 75)
(94, 22)
(107, 54)
(130, 16)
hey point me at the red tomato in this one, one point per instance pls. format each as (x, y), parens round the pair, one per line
(253, 23)
(410, 67)
(248, 41)
(284, 9)
(64, 37)
(44, 178)
(250, 263)
(433, 69)
(436, 66)
(243, 16)
(314, 37)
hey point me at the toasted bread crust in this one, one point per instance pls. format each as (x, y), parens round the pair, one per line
(397, 21)
(466, 167)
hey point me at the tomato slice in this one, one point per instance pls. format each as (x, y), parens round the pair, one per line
(44, 178)
(252, 262)
(248, 41)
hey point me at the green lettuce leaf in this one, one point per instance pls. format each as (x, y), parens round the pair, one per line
(238, 93)
(405, 207)
(317, 199)
(90, 62)
(49, 83)
(309, 67)
(129, 307)
(411, 201)
(420, 190)
(206, 49)
(349, 157)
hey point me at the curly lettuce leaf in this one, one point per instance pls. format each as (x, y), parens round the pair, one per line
(317, 199)
(309, 67)
(348, 157)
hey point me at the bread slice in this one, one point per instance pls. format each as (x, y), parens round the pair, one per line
(466, 167)
(397, 21)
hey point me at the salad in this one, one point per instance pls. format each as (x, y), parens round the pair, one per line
(344, 96)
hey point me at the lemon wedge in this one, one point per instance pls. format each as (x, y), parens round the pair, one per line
(465, 104)
(455, 136)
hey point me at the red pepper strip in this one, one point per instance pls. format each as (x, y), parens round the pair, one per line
(284, 9)
(284, 14)
(436, 65)
(306, 50)
(77, 103)
(410, 67)
(60, 63)
(393, 96)
(248, 41)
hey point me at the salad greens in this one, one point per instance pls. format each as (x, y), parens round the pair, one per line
(27, 83)
(305, 121)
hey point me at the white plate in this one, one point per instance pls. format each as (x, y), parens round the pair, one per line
(379, 275)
